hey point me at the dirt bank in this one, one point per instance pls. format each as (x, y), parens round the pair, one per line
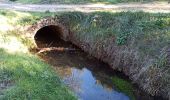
(149, 78)
(124, 58)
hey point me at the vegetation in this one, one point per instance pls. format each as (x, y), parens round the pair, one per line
(123, 86)
(139, 38)
(22, 75)
(146, 33)
(30, 78)
(83, 1)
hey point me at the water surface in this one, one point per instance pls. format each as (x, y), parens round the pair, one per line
(87, 77)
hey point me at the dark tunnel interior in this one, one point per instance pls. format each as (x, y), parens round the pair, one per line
(50, 36)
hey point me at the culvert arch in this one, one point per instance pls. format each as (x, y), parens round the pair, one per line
(107, 55)
(53, 25)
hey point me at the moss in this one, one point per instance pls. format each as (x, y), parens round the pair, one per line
(123, 86)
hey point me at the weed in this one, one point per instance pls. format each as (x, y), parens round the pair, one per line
(123, 86)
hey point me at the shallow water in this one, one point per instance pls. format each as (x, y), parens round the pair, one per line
(87, 77)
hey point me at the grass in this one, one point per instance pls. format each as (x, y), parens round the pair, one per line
(31, 79)
(123, 86)
(22, 75)
(147, 34)
(139, 38)
(82, 1)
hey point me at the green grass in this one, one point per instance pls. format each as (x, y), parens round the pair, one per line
(26, 76)
(83, 1)
(31, 79)
(139, 38)
(123, 86)
(147, 34)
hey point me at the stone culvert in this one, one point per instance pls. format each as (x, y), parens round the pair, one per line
(149, 78)
(53, 24)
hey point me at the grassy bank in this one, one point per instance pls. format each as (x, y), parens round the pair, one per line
(27, 77)
(147, 32)
(22, 75)
(144, 35)
(135, 43)
(81, 1)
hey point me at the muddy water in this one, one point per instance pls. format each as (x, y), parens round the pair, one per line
(87, 77)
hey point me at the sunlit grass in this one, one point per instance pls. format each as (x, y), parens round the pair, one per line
(23, 75)
(12, 44)
(5, 26)
(123, 27)
(145, 33)
(30, 79)
(14, 17)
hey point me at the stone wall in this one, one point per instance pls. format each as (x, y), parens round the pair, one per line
(49, 21)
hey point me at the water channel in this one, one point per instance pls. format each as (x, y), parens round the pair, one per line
(87, 77)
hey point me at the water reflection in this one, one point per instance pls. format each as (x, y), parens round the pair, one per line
(88, 88)
(86, 77)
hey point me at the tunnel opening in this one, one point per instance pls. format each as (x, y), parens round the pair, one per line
(50, 36)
